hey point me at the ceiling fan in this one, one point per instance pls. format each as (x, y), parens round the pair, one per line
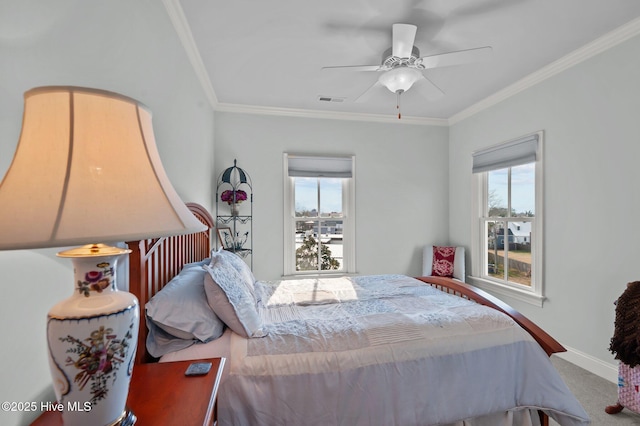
(402, 66)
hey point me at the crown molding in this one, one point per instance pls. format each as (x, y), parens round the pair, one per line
(331, 115)
(609, 40)
(180, 24)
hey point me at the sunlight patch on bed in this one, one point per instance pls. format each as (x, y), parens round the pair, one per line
(308, 291)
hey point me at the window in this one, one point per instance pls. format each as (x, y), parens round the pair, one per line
(319, 211)
(507, 246)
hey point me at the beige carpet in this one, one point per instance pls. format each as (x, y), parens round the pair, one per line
(594, 393)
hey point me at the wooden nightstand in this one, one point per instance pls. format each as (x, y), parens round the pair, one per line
(160, 394)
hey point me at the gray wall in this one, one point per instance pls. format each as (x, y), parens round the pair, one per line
(590, 117)
(401, 183)
(125, 46)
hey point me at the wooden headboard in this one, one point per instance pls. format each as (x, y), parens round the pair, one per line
(154, 262)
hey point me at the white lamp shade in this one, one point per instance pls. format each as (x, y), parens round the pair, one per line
(399, 79)
(87, 170)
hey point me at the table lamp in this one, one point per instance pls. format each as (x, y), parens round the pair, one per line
(86, 170)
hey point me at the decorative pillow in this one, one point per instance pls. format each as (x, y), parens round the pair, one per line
(443, 258)
(241, 267)
(230, 298)
(181, 308)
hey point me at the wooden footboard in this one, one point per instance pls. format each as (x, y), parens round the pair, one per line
(459, 288)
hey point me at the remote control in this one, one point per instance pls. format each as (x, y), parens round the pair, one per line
(198, 369)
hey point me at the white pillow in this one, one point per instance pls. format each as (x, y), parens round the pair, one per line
(230, 298)
(241, 267)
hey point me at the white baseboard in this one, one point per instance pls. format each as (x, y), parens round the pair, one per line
(593, 365)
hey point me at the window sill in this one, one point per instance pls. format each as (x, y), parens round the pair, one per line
(524, 296)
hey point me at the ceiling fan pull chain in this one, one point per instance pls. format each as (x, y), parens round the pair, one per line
(398, 93)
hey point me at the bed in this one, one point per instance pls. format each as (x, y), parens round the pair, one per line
(366, 350)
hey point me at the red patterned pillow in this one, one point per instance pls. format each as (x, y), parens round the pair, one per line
(443, 261)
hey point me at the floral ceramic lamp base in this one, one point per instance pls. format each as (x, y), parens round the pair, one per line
(92, 338)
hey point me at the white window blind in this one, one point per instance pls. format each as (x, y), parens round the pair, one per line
(311, 166)
(508, 154)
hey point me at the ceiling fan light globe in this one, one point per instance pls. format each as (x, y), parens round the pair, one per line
(399, 79)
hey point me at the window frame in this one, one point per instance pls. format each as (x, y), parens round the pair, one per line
(479, 252)
(348, 223)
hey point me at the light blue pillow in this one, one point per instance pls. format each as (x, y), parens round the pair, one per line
(199, 264)
(159, 342)
(231, 299)
(181, 308)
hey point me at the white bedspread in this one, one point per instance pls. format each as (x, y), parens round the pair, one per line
(384, 350)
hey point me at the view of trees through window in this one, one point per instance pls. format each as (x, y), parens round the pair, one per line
(509, 222)
(319, 224)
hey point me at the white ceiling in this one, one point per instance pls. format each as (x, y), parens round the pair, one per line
(269, 54)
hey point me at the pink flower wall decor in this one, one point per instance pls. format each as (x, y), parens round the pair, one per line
(227, 196)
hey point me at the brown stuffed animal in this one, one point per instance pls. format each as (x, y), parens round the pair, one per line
(625, 343)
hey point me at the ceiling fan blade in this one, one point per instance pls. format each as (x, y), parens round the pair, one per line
(403, 37)
(354, 68)
(427, 89)
(370, 93)
(456, 58)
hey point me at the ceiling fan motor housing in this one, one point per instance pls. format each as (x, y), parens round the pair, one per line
(389, 61)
